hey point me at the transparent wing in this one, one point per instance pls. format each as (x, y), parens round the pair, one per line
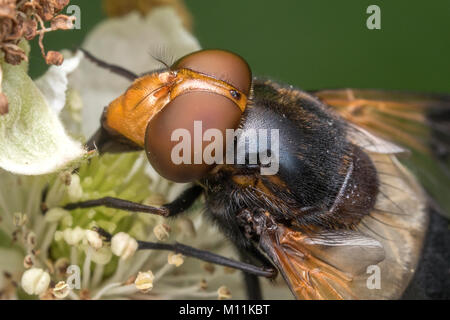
(326, 265)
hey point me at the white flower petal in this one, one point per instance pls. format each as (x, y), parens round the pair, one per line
(32, 138)
(128, 42)
(53, 84)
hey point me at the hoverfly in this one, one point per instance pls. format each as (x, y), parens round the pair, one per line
(340, 203)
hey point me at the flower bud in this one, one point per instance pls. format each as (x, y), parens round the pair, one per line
(29, 29)
(161, 231)
(94, 239)
(144, 281)
(14, 55)
(175, 259)
(35, 281)
(62, 22)
(60, 4)
(61, 290)
(54, 57)
(123, 245)
(224, 293)
(19, 219)
(73, 236)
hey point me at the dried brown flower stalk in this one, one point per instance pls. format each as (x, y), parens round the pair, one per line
(26, 19)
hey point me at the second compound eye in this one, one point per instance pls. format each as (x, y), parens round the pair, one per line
(220, 64)
(187, 138)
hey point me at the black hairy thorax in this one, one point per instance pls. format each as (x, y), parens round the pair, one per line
(323, 179)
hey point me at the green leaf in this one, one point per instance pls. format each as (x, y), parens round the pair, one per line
(32, 138)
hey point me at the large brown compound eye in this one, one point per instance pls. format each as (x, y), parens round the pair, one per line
(219, 64)
(185, 121)
(176, 133)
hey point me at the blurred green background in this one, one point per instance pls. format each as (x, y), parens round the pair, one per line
(313, 44)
